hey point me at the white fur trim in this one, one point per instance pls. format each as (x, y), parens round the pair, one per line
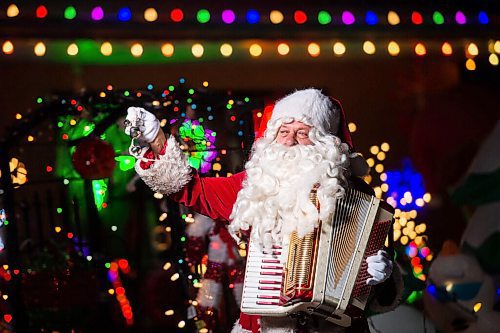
(238, 329)
(210, 293)
(311, 104)
(397, 280)
(170, 173)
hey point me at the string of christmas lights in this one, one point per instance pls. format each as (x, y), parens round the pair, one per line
(92, 51)
(228, 16)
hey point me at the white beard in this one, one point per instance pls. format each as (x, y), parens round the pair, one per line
(275, 196)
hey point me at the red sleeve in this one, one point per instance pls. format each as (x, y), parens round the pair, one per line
(150, 155)
(211, 196)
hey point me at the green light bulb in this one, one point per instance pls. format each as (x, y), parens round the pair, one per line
(203, 16)
(70, 13)
(324, 17)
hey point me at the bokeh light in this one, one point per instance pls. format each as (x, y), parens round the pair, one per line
(313, 49)
(393, 18)
(12, 10)
(339, 48)
(348, 17)
(124, 14)
(276, 17)
(447, 49)
(300, 17)
(255, 50)
(393, 48)
(97, 13)
(72, 49)
(39, 49)
(197, 50)
(369, 47)
(137, 50)
(150, 15)
(226, 49)
(8, 47)
(106, 49)
(324, 17)
(252, 16)
(228, 16)
(167, 50)
(176, 15)
(203, 16)
(283, 49)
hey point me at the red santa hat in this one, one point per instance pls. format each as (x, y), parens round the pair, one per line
(311, 105)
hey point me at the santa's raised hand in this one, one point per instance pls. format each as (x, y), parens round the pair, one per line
(143, 121)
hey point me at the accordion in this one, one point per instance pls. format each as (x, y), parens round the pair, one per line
(323, 273)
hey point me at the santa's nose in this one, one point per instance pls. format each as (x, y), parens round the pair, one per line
(290, 141)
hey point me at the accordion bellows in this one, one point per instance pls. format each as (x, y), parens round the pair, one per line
(323, 273)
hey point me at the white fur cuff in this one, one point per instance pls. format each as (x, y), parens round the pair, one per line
(170, 173)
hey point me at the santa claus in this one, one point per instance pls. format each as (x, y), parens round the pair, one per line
(306, 145)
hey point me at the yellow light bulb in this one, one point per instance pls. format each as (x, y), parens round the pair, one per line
(447, 49)
(339, 48)
(472, 49)
(8, 47)
(72, 49)
(276, 17)
(150, 15)
(39, 49)
(283, 49)
(255, 50)
(496, 46)
(420, 49)
(106, 49)
(197, 50)
(393, 18)
(374, 150)
(352, 127)
(12, 10)
(493, 59)
(393, 48)
(226, 49)
(313, 49)
(167, 50)
(137, 50)
(369, 47)
(470, 65)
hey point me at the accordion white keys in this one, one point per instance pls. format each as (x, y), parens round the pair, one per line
(323, 273)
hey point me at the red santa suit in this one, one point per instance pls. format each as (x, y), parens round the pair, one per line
(215, 197)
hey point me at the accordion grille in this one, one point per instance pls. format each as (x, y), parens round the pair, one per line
(349, 217)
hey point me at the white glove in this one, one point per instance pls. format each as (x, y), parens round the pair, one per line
(379, 267)
(145, 121)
